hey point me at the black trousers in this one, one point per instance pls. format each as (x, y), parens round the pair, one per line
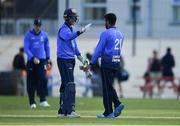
(66, 69)
(36, 80)
(109, 93)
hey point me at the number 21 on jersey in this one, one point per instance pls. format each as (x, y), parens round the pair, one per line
(118, 44)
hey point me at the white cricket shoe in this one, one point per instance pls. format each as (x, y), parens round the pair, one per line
(61, 116)
(44, 104)
(73, 115)
(33, 106)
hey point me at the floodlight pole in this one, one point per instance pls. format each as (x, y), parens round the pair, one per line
(67, 3)
(134, 28)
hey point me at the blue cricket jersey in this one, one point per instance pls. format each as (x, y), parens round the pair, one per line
(109, 48)
(36, 45)
(66, 42)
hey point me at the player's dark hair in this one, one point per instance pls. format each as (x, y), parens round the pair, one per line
(111, 17)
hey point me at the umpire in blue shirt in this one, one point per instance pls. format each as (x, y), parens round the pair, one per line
(67, 49)
(36, 46)
(109, 49)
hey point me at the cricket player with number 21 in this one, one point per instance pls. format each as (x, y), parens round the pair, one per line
(109, 49)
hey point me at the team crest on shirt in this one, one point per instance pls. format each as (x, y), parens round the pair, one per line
(42, 39)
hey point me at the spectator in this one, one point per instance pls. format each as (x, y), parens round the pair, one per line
(49, 78)
(19, 67)
(167, 64)
(147, 88)
(19, 60)
(154, 69)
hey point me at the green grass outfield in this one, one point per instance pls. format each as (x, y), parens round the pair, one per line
(15, 110)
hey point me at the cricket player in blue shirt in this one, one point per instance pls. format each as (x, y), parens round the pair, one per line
(66, 51)
(109, 49)
(36, 46)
